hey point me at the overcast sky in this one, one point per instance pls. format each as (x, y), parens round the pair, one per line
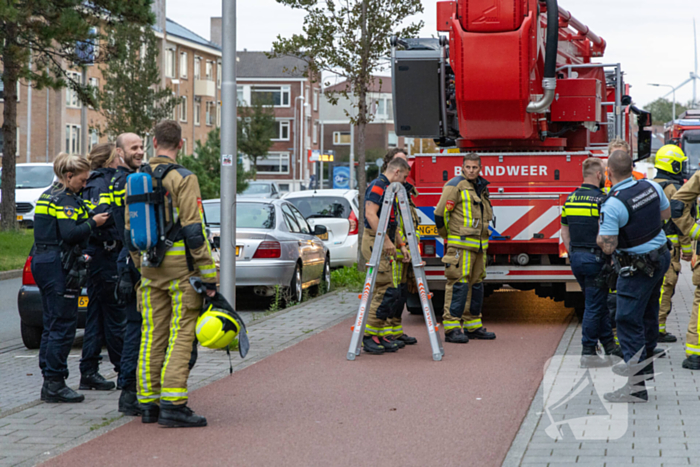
(652, 39)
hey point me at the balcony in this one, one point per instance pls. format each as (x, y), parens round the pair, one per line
(205, 88)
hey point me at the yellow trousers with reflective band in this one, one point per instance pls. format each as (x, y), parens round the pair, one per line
(463, 269)
(169, 307)
(669, 287)
(692, 337)
(405, 273)
(386, 289)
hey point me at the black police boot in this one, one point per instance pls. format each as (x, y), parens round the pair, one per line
(389, 345)
(456, 337)
(408, 340)
(180, 416)
(611, 348)
(658, 352)
(150, 412)
(396, 341)
(371, 344)
(481, 333)
(95, 381)
(692, 362)
(128, 403)
(57, 391)
(628, 393)
(667, 337)
(43, 389)
(590, 358)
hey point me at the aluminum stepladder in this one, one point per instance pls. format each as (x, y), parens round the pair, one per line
(395, 191)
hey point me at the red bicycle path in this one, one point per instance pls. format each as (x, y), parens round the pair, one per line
(308, 405)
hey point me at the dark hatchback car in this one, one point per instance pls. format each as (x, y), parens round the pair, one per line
(31, 310)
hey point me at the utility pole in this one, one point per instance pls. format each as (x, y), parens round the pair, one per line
(29, 111)
(229, 152)
(83, 119)
(351, 185)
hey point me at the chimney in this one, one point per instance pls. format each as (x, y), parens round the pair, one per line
(215, 34)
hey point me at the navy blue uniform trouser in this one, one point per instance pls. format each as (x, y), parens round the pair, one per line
(104, 322)
(596, 325)
(132, 330)
(60, 314)
(638, 310)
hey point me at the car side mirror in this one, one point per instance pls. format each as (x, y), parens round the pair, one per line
(320, 229)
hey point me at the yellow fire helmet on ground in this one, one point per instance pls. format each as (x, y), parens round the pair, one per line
(670, 158)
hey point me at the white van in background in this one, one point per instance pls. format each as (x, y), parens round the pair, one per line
(31, 181)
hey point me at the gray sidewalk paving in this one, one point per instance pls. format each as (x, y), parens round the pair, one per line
(569, 423)
(32, 431)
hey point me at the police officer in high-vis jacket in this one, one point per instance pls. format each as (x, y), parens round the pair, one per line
(579, 230)
(669, 162)
(387, 283)
(62, 226)
(170, 306)
(104, 323)
(462, 218)
(631, 229)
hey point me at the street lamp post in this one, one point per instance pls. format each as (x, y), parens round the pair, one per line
(674, 96)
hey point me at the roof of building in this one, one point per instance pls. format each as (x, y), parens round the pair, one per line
(257, 65)
(379, 84)
(177, 30)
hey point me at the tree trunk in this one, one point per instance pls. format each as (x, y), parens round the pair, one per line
(8, 214)
(363, 82)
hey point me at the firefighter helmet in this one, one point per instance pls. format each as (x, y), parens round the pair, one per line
(216, 329)
(670, 158)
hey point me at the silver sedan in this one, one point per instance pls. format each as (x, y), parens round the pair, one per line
(275, 246)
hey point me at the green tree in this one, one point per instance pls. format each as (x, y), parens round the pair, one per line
(206, 165)
(350, 39)
(256, 128)
(662, 110)
(131, 99)
(49, 31)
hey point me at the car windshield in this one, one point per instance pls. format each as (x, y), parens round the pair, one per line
(212, 212)
(322, 206)
(257, 189)
(33, 176)
(692, 151)
(255, 216)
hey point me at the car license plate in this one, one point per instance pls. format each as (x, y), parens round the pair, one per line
(428, 230)
(323, 236)
(238, 250)
(19, 218)
(83, 302)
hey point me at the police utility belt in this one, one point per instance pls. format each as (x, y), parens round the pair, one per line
(627, 265)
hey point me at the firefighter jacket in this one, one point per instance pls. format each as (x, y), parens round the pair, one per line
(463, 214)
(61, 219)
(683, 207)
(375, 194)
(581, 214)
(187, 206)
(96, 195)
(673, 233)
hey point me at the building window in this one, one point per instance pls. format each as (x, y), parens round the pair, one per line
(273, 163)
(183, 64)
(315, 133)
(197, 113)
(197, 67)
(241, 99)
(73, 139)
(94, 138)
(209, 70)
(393, 140)
(316, 97)
(169, 63)
(210, 113)
(219, 71)
(183, 109)
(72, 96)
(218, 114)
(277, 96)
(385, 109)
(282, 131)
(341, 138)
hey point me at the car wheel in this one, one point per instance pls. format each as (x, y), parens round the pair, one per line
(296, 294)
(325, 284)
(31, 336)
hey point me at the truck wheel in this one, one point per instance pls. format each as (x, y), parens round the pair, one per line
(576, 301)
(31, 336)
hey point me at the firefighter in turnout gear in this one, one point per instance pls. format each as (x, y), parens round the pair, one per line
(62, 227)
(579, 229)
(405, 270)
(130, 154)
(386, 287)
(462, 218)
(169, 304)
(104, 323)
(683, 207)
(669, 174)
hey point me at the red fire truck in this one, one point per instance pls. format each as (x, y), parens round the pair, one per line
(514, 81)
(686, 133)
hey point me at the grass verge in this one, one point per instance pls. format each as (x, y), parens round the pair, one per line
(347, 278)
(14, 248)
